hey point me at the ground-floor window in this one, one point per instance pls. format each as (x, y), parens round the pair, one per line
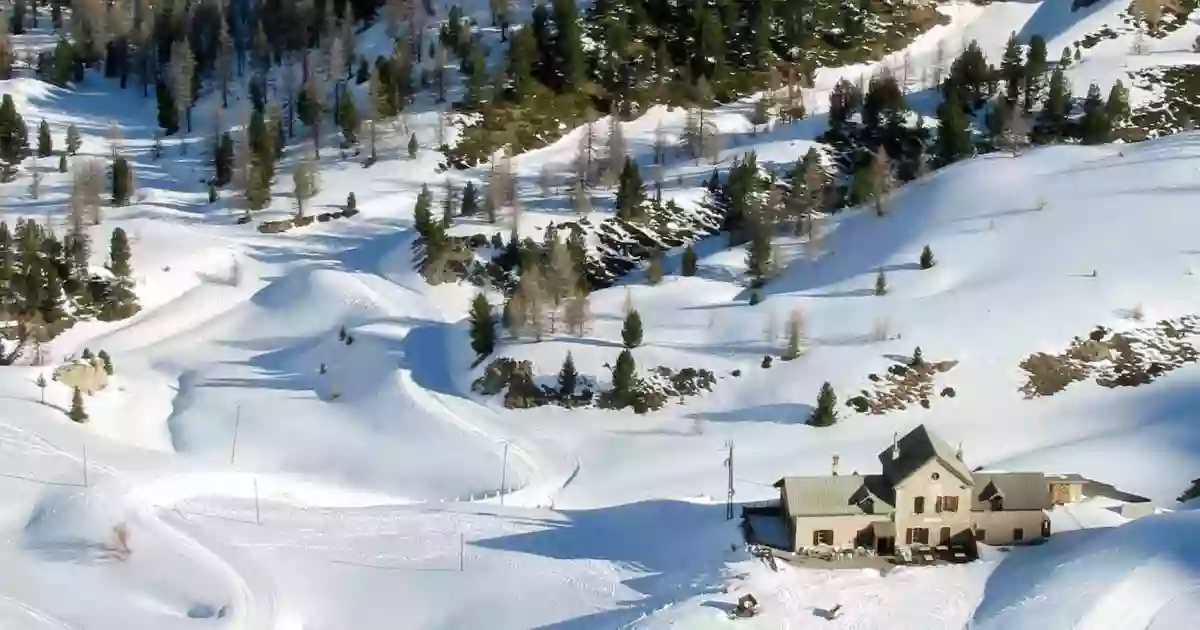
(1045, 529)
(823, 537)
(1018, 534)
(944, 536)
(917, 535)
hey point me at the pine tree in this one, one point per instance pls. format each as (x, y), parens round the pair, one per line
(14, 142)
(918, 359)
(483, 326)
(631, 330)
(423, 212)
(1117, 106)
(881, 286)
(123, 301)
(87, 355)
(1058, 105)
(351, 203)
(62, 163)
(825, 414)
(122, 182)
(624, 378)
(73, 139)
(108, 364)
(688, 263)
(1012, 70)
(448, 205)
(223, 160)
(927, 260)
(412, 146)
(954, 136)
(1095, 127)
(45, 143)
(168, 114)
(761, 114)
(470, 200)
(758, 255)
(568, 377)
(348, 116)
(631, 192)
(77, 412)
(1035, 70)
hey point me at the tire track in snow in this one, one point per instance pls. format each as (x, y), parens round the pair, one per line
(38, 614)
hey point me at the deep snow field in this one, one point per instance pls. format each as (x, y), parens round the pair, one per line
(260, 494)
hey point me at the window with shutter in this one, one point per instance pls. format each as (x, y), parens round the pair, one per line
(918, 505)
(908, 536)
(937, 504)
(950, 504)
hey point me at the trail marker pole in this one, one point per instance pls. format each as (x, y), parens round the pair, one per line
(237, 421)
(257, 515)
(85, 465)
(729, 495)
(503, 471)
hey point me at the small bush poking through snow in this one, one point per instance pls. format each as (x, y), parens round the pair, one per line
(766, 362)
(927, 259)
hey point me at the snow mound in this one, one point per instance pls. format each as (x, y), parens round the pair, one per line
(1145, 574)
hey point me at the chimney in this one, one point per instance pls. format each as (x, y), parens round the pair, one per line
(958, 453)
(835, 465)
(896, 445)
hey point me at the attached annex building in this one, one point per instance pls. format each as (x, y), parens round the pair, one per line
(926, 495)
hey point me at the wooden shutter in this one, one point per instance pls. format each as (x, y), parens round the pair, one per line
(937, 504)
(908, 536)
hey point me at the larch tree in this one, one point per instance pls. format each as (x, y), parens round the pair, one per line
(183, 73)
(882, 180)
(73, 139)
(618, 150)
(304, 183)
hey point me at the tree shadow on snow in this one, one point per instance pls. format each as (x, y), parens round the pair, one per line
(782, 413)
(677, 549)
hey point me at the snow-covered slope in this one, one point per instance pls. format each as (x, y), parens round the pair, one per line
(272, 476)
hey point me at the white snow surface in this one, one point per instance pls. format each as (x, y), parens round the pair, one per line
(261, 494)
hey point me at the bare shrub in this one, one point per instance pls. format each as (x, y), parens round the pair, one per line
(120, 541)
(1137, 313)
(880, 330)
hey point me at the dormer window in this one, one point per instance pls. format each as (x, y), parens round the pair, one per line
(997, 503)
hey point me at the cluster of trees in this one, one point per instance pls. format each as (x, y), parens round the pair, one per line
(46, 283)
(1026, 100)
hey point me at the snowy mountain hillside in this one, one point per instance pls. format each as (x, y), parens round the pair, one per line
(255, 329)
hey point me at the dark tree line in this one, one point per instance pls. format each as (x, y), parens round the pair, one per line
(46, 284)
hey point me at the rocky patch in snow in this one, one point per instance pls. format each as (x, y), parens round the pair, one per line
(1124, 359)
(651, 391)
(907, 382)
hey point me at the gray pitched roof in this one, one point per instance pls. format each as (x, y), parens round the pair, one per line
(916, 449)
(1021, 491)
(836, 495)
